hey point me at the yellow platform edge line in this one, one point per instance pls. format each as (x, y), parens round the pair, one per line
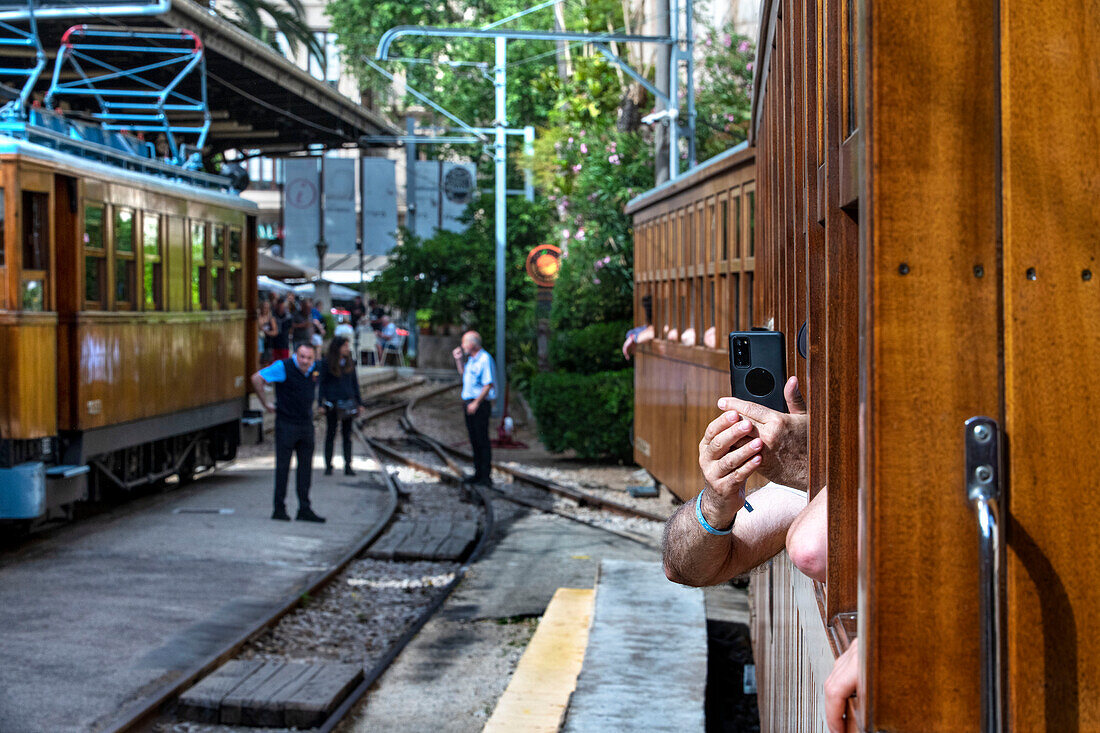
(538, 693)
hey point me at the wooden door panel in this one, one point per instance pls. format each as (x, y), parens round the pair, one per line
(1051, 134)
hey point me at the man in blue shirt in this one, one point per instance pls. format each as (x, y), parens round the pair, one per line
(295, 381)
(478, 392)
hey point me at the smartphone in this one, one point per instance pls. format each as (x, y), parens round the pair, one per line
(758, 367)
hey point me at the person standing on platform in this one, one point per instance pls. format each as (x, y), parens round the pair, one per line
(280, 341)
(339, 398)
(478, 392)
(295, 381)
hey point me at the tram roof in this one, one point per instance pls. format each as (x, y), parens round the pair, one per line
(259, 100)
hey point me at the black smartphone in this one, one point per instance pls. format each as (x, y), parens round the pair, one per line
(757, 367)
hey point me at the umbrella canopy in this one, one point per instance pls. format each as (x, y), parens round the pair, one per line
(266, 283)
(273, 266)
(337, 292)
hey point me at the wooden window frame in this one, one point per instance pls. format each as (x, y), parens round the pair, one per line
(35, 275)
(203, 266)
(219, 286)
(157, 261)
(118, 256)
(98, 253)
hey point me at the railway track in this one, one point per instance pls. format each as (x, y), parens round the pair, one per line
(143, 714)
(454, 473)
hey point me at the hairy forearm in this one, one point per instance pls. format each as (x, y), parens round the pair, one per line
(258, 385)
(692, 556)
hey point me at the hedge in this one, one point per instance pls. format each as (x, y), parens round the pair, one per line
(594, 348)
(589, 413)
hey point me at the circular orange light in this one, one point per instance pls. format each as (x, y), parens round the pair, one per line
(544, 264)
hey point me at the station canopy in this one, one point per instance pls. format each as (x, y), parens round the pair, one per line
(258, 99)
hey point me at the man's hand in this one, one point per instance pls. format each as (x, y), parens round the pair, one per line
(269, 407)
(840, 685)
(471, 406)
(784, 458)
(726, 467)
(457, 353)
(628, 347)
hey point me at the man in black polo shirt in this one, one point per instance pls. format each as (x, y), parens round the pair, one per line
(295, 381)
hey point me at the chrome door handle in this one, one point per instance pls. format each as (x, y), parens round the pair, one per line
(983, 489)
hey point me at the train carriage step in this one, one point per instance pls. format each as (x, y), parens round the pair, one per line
(645, 667)
(538, 693)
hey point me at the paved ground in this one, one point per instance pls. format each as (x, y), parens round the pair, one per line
(451, 676)
(110, 609)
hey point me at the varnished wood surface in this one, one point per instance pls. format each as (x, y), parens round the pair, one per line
(931, 358)
(28, 345)
(791, 649)
(1050, 67)
(139, 368)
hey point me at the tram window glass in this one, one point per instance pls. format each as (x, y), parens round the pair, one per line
(95, 258)
(725, 230)
(748, 300)
(153, 280)
(736, 226)
(36, 245)
(751, 206)
(735, 300)
(234, 267)
(198, 265)
(124, 258)
(217, 266)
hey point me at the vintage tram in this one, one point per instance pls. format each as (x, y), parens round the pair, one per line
(126, 309)
(924, 180)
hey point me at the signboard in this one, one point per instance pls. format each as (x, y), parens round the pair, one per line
(339, 206)
(301, 210)
(379, 187)
(458, 187)
(426, 198)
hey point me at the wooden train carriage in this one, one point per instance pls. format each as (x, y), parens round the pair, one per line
(927, 178)
(125, 319)
(695, 260)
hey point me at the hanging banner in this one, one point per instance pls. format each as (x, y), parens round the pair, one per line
(458, 187)
(339, 207)
(379, 187)
(301, 210)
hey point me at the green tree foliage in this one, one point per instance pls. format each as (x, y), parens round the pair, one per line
(449, 277)
(723, 102)
(594, 348)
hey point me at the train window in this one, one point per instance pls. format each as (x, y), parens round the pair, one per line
(95, 275)
(234, 268)
(748, 300)
(736, 226)
(198, 265)
(36, 245)
(124, 230)
(217, 266)
(751, 206)
(725, 230)
(153, 273)
(735, 301)
(124, 258)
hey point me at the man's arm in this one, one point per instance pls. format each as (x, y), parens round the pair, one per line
(457, 354)
(476, 403)
(258, 384)
(692, 555)
(842, 683)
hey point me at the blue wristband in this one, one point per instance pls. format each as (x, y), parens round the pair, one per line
(703, 521)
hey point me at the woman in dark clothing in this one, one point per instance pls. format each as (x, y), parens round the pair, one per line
(339, 396)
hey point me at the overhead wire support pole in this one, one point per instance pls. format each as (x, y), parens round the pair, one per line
(500, 80)
(528, 174)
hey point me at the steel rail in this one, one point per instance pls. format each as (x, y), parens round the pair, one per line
(141, 714)
(433, 471)
(402, 404)
(414, 628)
(581, 497)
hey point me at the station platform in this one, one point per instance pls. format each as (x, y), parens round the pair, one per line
(108, 610)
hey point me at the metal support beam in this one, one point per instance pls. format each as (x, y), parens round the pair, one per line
(415, 30)
(615, 59)
(410, 176)
(528, 173)
(500, 81)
